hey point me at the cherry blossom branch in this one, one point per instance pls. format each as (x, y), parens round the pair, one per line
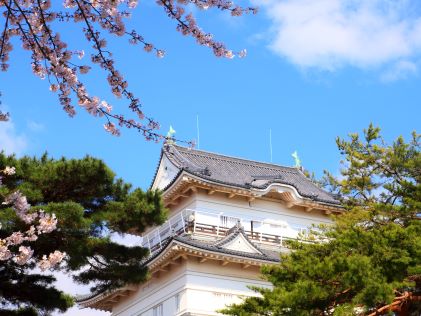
(189, 27)
(3, 37)
(118, 85)
(147, 133)
(46, 224)
(30, 29)
(51, 59)
(33, 48)
(223, 5)
(4, 117)
(134, 37)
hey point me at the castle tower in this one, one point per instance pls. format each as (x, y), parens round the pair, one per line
(228, 217)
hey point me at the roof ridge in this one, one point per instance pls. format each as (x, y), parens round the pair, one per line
(240, 172)
(268, 164)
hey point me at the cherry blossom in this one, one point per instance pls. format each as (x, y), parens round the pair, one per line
(15, 238)
(33, 22)
(25, 254)
(46, 223)
(53, 259)
(5, 253)
(9, 171)
(21, 206)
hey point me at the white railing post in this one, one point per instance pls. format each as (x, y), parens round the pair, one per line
(149, 243)
(219, 223)
(159, 238)
(183, 222)
(195, 220)
(169, 223)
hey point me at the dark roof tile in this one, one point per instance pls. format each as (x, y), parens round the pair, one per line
(244, 173)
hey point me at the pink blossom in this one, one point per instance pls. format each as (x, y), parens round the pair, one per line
(21, 206)
(9, 171)
(106, 106)
(242, 53)
(5, 253)
(80, 54)
(15, 238)
(84, 69)
(25, 254)
(44, 263)
(229, 54)
(110, 127)
(148, 47)
(237, 11)
(53, 87)
(132, 4)
(53, 259)
(31, 234)
(47, 223)
(160, 53)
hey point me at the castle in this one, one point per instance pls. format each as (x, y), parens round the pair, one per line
(227, 217)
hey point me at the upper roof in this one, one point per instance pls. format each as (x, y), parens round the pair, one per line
(243, 173)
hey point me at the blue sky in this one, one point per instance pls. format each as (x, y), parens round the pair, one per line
(315, 70)
(307, 95)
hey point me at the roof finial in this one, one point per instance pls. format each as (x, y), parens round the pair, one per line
(169, 139)
(296, 159)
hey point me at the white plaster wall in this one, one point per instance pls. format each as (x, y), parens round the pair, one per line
(204, 289)
(154, 292)
(205, 302)
(258, 209)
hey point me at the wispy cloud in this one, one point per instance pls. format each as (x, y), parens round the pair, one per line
(331, 34)
(35, 126)
(400, 70)
(11, 141)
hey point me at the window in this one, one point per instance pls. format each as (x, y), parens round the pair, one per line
(158, 310)
(177, 298)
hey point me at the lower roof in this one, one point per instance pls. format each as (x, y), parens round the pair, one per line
(213, 247)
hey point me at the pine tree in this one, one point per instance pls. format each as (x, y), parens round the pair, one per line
(90, 203)
(368, 262)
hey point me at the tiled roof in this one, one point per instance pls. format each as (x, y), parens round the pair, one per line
(207, 245)
(244, 173)
(217, 246)
(265, 255)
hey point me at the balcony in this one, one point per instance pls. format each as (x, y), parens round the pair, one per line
(216, 225)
